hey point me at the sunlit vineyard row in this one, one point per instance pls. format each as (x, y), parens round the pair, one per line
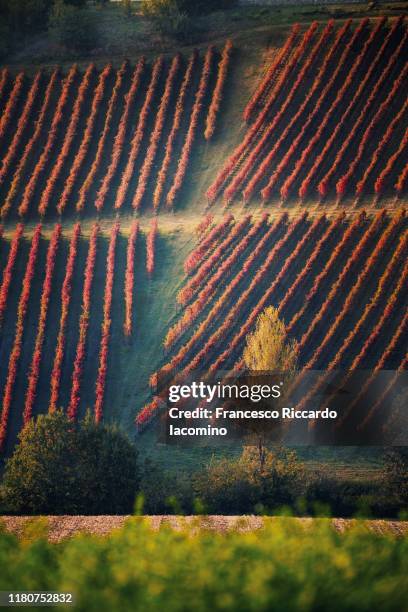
(327, 121)
(339, 284)
(106, 139)
(62, 297)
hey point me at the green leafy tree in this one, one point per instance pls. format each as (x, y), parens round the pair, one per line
(169, 18)
(72, 27)
(77, 3)
(190, 7)
(60, 467)
(165, 491)
(395, 476)
(25, 15)
(127, 7)
(5, 38)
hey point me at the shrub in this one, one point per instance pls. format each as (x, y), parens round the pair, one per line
(25, 15)
(165, 492)
(330, 496)
(5, 39)
(72, 27)
(249, 484)
(188, 7)
(59, 467)
(168, 18)
(396, 475)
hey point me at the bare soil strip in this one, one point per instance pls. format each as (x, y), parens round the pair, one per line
(62, 527)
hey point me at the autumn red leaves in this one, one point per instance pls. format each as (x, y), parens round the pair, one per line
(217, 97)
(16, 180)
(106, 324)
(109, 137)
(328, 95)
(130, 279)
(15, 354)
(50, 142)
(120, 136)
(83, 325)
(66, 296)
(46, 252)
(301, 266)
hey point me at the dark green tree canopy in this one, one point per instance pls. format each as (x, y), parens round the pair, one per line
(190, 7)
(26, 15)
(60, 467)
(72, 27)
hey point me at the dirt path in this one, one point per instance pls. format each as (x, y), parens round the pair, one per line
(188, 219)
(61, 527)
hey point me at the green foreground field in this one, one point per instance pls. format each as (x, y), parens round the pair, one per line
(287, 565)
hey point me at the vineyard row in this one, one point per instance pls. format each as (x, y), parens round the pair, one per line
(47, 271)
(329, 118)
(107, 138)
(302, 267)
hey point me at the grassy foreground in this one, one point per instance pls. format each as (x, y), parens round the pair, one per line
(286, 565)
